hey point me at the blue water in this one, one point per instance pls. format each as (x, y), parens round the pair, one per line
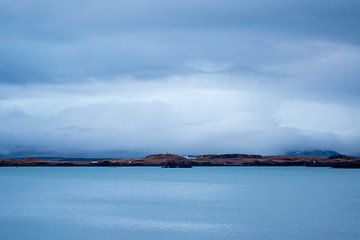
(199, 203)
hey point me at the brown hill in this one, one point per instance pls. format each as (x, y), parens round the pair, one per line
(200, 160)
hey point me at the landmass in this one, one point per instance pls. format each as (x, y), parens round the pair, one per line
(173, 160)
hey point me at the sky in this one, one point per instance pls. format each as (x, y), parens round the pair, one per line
(189, 77)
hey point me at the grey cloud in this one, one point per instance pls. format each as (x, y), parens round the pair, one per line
(184, 76)
(77, 17)
(54, 41)
(173, 116)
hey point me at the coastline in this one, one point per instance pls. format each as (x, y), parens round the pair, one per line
(177, 161)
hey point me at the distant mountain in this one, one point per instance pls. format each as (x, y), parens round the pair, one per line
(313, 153)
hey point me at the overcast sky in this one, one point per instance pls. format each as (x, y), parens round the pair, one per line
(199, 76)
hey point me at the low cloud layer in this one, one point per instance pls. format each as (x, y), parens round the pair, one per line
(186, 77)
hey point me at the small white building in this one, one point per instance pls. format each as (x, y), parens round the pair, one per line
(190, 157)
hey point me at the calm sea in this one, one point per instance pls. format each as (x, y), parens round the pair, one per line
(265, 203)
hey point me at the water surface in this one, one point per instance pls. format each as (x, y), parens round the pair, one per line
(199, 203)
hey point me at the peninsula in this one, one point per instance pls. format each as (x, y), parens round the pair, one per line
(173, 160)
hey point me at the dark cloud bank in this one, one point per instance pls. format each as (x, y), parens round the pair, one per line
(96, 77)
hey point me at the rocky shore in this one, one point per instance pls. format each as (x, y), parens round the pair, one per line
(336, 161)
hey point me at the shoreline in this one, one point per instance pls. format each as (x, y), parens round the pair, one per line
(177, 161)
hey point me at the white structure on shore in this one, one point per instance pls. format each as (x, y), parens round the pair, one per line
(190, 157)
